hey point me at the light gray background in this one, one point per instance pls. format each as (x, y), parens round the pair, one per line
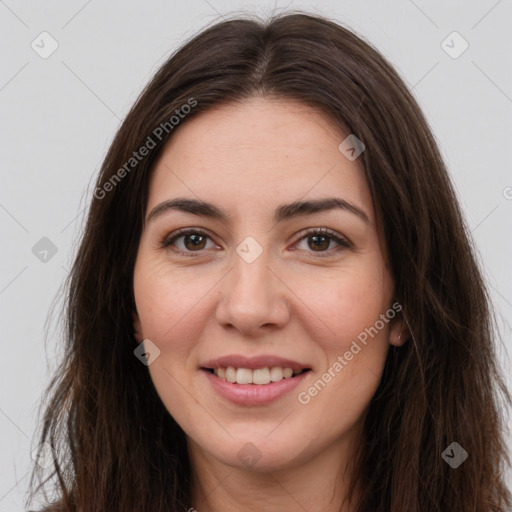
(59, 116)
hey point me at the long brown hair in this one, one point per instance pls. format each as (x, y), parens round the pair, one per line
(116, 447)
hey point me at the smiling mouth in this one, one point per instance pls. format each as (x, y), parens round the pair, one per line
(257, 376)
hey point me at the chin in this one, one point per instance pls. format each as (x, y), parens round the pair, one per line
(258, 455)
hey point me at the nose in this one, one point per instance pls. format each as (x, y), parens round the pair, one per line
(254, 297)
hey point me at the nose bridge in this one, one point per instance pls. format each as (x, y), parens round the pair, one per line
(251, 270)
(252, 295)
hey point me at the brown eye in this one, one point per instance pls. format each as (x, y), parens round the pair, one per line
(187, 241)
(319, 241)
(196, 241)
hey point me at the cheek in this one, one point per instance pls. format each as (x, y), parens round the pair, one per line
(170, 305)
(171, 310)
(354, 347)
(348, 302)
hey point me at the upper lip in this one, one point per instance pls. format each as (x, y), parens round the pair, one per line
(238, 361)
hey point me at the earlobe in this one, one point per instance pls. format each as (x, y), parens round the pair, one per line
(399, 341)
(399, 334)
(137, 328)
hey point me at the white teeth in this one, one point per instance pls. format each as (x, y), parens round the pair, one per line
(259, 376)
(244, 376)
(230, 374)
(287, 373)
(276, 374)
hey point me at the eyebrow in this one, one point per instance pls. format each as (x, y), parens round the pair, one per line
(281, 213)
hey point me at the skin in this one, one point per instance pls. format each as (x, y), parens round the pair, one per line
(248, 158)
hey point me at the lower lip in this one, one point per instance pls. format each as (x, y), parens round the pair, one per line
(254, 394)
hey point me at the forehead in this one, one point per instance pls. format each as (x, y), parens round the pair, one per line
(255, 154)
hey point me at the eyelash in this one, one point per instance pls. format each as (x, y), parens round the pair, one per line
(343, 243)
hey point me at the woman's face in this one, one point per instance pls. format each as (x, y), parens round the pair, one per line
(251, 289)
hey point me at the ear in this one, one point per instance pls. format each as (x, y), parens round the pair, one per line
(137, 327)
(399, 332)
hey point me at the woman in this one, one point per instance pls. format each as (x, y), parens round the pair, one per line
(275, 304)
